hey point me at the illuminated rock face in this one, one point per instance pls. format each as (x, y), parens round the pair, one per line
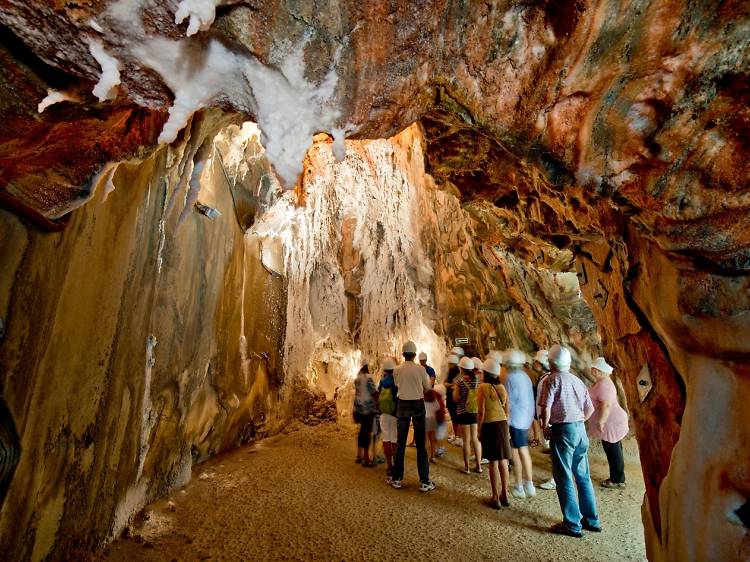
(616, 133)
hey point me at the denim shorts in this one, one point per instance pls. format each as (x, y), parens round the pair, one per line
(519, 437)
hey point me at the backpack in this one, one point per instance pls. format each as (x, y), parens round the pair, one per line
(386, 402)
(472, 406)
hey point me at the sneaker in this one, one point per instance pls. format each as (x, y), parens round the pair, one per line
(609, 484)
(458, 442)
(528, 488)
(548, 485)
(427, 486)
(380, 459)
(517, 492)
(563, 529)
(485, 461)
(394, 483)
(440, 451)
(592, 528)
(451, 439)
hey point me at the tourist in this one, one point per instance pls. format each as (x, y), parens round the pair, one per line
(432, 404)
(465, 395)
(449, 383)
(566, 404)
(521, 398)
(430, 370)
(458, 352)
(609, 421)
(493, 429)
(412, 382)
(387, 403)
(541, 366)
(364, 413)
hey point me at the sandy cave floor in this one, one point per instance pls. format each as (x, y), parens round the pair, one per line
(300, 496)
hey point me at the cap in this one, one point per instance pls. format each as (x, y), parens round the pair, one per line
(559, 357)
(491, 366)
(409, 347)
(423, 356)
(389, 364)
(601, 364)
(458, 351)
(515, 358)
(466, 363)
(543, 357)
(453, 360)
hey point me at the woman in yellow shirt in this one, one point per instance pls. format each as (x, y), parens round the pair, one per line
(494, 411)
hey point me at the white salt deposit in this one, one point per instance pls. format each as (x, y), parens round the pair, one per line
(106, 88)
(53, 97)
(200, 13)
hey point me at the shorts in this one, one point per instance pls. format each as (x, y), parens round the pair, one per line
(495, 441)
(519, 437)
(442, 431)
(430, 424)
(388, 428)
(465, 418)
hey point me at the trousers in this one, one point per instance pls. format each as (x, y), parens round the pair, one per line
(411, 411)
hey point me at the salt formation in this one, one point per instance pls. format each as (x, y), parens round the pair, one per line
(106, 88)
(200, 13)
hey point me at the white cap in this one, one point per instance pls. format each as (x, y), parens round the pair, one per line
(491, 366)
(559, 357)
(466, 363)
(409, 347)
(458, 351)
(477, 362)
(423, 356)
(543, 357)
(601, 364)
(515, 358)
(453, 360)
(495, 355)
(389, 364)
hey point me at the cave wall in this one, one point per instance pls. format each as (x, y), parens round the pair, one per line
(122, 362)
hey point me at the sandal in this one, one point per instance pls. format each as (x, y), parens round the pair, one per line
(494, 504)
(368, 464)
(467, 471)
(478, 470)
(534, 443)
(358, 460)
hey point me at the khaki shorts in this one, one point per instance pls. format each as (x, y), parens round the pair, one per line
(389, 433)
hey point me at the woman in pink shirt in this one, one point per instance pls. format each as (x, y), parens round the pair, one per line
(609, 421)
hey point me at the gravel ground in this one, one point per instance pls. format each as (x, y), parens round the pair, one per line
(300, 496)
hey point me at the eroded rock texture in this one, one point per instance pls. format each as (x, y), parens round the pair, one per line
(613, 132)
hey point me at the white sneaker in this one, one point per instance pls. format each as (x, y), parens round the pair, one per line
(517, 492)
(528, 487)
(458, 442)
(548, 485)
(451, 439)
(485, 461)
(427, 486)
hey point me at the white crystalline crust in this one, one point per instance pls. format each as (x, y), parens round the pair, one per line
(106, 88)
(53, 97)
(199, 13)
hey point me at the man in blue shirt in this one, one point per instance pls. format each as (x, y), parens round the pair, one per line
(430, 370)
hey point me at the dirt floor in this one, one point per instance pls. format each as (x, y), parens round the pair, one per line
(300, 496)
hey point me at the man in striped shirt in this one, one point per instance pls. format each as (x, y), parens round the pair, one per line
(565, 404)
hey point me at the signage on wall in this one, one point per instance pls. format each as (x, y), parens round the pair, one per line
(461, 341)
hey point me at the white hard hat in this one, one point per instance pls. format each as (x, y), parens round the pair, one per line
(409, 347)
(491, 366)
(559, 357)
(466, 363)
(515, 358)
(458, 351)
(543, 357)
(601, 364)
(389, 364)
(496, 355)
(423, 356)
(453, 360)
(477, 362)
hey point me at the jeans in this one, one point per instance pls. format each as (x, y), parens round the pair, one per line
(616, 461)
(570, 467)
(411, 411)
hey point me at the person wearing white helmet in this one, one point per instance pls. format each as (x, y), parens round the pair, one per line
(521, 398)
(458, 352)
(364, 413)
(387, 403)
(609, 421)
(430, 370)
(467, 408)
(493, 431)
(412, 382)
(450, 403)
(566, 405)
(541, 366)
